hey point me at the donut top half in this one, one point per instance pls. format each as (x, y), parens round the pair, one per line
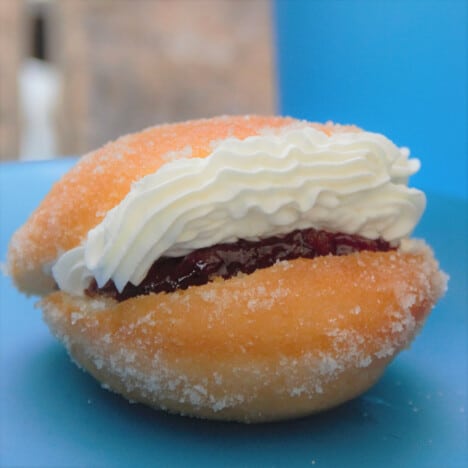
(280, 190)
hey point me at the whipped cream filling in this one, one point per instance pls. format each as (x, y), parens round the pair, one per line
(266, 185)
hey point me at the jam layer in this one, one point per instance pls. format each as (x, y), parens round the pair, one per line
(227, 260)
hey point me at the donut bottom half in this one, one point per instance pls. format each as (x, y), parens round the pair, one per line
(286, 341)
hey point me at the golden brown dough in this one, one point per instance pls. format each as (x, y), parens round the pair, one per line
(284, 341)
(288, 340)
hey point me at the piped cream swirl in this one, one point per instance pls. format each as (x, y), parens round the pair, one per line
(350, 182)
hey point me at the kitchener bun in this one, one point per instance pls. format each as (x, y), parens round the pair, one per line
(288, 340)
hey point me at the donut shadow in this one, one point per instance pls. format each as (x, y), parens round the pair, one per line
(68, 400)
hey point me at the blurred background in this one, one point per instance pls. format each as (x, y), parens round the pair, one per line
(77, 73)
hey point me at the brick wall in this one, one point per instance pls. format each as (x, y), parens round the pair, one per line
(131, 64)
(10, 53)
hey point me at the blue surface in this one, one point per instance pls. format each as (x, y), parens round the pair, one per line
(52, 414)
(396, 67)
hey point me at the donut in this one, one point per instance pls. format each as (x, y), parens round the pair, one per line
(244, 268)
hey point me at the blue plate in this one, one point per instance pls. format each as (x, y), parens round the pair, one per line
(52, 414)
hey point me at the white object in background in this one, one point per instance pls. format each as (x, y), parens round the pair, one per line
(39, 85)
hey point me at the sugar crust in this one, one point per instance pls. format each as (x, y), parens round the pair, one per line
(285, 341)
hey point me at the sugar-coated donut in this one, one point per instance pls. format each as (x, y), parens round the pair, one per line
(285, 340)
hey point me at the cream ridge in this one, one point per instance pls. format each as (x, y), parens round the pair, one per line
(266, 185)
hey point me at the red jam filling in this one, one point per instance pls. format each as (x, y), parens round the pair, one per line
(227, 260)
